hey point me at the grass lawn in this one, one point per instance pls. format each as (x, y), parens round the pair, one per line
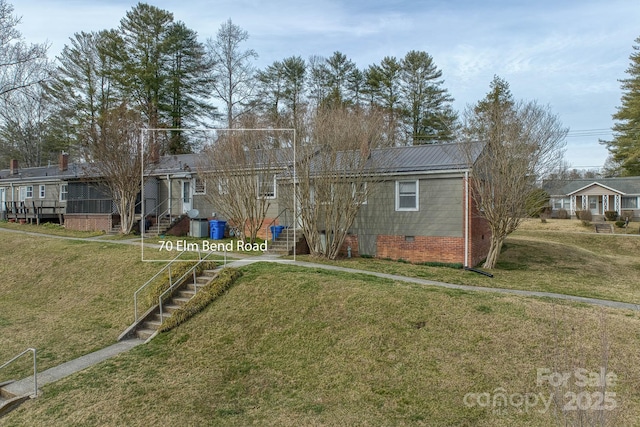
(289, 346)
(49, 228)
(64, 297)
(540, 259)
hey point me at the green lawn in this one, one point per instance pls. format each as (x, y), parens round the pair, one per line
(288, 346)
(583, 264)
(291, 346)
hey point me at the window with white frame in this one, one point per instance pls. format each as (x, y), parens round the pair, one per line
(200, 186)
(629, 203)
(63, 192)
(223, 185)
(26, 192)
(407, 195)
(267, 186)
(360, 192)
(42, 193)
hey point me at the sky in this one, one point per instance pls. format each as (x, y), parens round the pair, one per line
(568, 55)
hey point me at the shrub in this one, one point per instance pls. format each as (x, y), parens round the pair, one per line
(202, 299)
(611, 215)
(563, 214)
(584, 215)
(620, 224)
(627, 214)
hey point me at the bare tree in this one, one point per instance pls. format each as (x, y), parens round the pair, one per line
(232, 69)
(336, 173)
(239, 170)
(523, 142)
(118, 159)
(21, 65)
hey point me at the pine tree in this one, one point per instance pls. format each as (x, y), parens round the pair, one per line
(625, 146)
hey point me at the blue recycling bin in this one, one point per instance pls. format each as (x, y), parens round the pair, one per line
(216, 229)
(275, 231)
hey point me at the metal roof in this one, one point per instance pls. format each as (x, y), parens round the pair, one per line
(417, 158)
(627, 185)
(429, 157)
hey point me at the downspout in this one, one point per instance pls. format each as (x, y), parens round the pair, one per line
(170, 193)
(466, 219)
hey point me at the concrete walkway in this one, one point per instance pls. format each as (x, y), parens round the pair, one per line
(25, 386)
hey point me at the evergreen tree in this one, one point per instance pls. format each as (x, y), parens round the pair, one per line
(82, 89)
(426, 105)
(625, 146)
(188, 85)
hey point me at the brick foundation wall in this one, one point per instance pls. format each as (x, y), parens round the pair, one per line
(421, 249)
(479, 233)
(350, 241)
(180, 228)
(88, 222)
(480, 240)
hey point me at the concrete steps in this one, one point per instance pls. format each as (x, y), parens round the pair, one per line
(284, 244)
(10, 401)
(163, 224)
(150, 323)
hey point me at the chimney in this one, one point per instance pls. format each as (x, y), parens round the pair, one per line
(13, 167)
(365, 149)
(63, 162)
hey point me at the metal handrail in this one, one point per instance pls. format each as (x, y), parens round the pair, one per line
(35, 368)
(171, 287)
(285, 210)
(135, 294)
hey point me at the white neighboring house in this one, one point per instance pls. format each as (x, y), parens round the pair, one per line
(597, 195)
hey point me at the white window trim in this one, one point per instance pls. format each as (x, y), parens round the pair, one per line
(64, 190)
(275, 189)
(28, 189)
(203, 183)
(42, 191)
(366, 196)
(417, 207)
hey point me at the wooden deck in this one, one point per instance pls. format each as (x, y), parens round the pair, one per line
(33, 212)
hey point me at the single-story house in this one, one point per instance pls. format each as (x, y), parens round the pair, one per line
(36, 193)
(597, 195)
(421, 210)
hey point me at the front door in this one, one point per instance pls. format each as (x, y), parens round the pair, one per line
(186, 196)
(2, 200)
(594, 205)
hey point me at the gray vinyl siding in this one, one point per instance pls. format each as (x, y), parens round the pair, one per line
(440, 210)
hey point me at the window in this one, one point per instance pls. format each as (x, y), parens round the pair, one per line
(564, 203)
(629, 203)
(267, 186)
(26, 192)
(360, 192)
(407, 195)
(42, 192)
(63, 192)
(223, 185)
(200, 186)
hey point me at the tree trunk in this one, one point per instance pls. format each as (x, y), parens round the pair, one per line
(494, 252)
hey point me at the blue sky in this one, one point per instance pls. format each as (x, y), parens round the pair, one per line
(566, 54)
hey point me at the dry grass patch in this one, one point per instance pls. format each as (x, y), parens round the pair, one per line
(570, 226)
(66, 298)
(289, 346)
(49, 229)
(589, 265)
